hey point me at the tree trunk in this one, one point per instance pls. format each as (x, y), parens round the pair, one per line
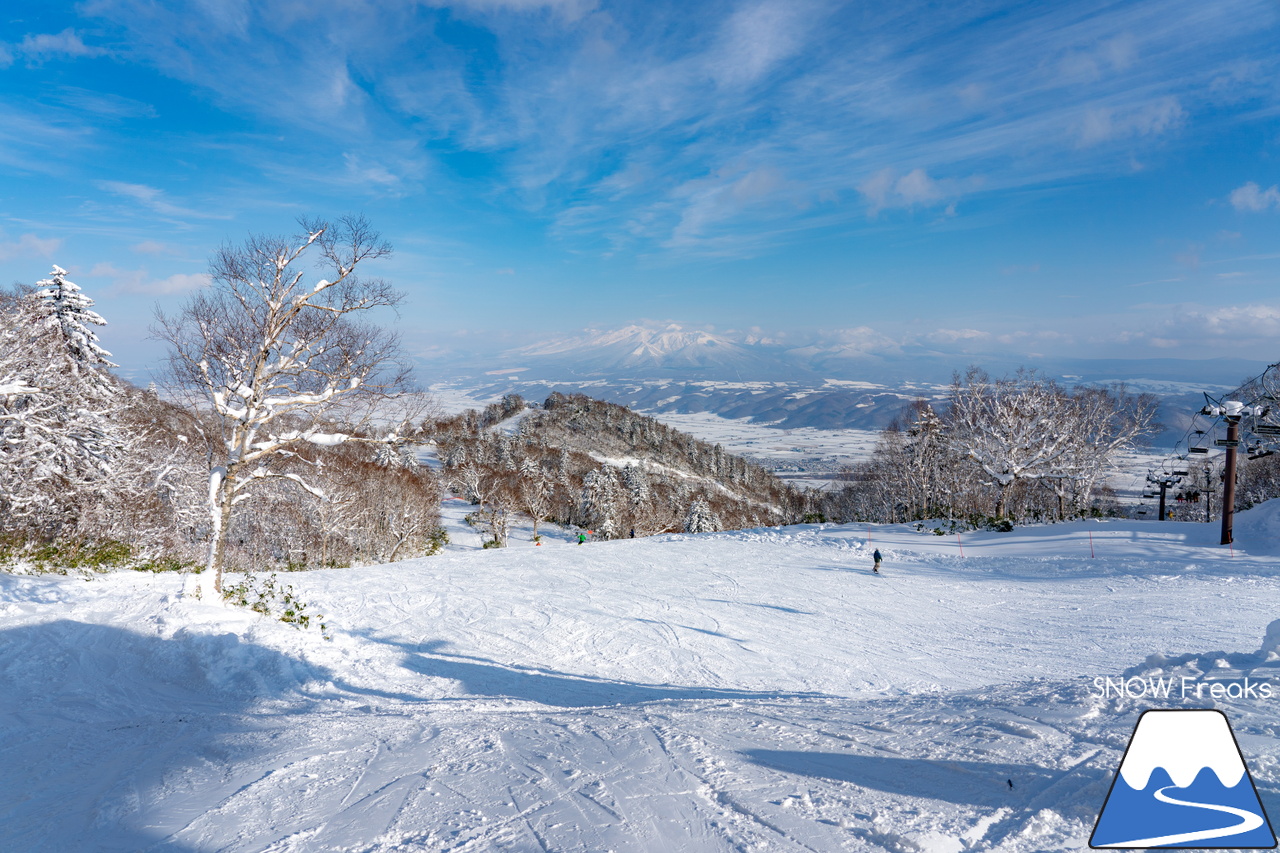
(210, 584)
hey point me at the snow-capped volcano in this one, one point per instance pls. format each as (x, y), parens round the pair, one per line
(645, 349)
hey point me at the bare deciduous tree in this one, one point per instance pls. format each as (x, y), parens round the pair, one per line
(282, 361)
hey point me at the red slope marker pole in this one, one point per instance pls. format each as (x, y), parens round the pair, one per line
(961, 544)
(1091, 544)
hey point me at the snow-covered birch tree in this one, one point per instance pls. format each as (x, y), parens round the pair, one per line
(282, 360)
(1012, 429)
(535, 492)
(1027, 428)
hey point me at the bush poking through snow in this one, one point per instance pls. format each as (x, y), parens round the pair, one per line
(25, 556)
(270, 598)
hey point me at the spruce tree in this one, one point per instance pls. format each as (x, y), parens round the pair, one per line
(67, 310)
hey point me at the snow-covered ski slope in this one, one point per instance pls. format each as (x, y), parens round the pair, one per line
(756, 690)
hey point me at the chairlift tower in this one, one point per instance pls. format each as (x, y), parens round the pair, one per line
(1230, 411)
(1164, 483)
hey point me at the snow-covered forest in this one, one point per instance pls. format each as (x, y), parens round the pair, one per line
(287, 433)
(599, 466)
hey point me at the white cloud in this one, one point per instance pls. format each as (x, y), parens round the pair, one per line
(1104, 123)
(1242, 326)
(1253, 198)
(140, 281)
(65, 43)
(152, 247)
(571, 9)
(756, 38)
(916, 187)
(886, 189)
(951, 336)
(29, 246)
(177, 283)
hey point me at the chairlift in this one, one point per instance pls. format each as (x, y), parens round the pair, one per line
(1181, 473)
(1198, 450)
(1199, 432)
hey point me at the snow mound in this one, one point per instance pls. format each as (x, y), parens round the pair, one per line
(1259, 527)
(1218, 665)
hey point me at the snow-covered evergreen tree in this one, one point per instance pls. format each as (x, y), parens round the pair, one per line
(600, 502)
(58, 432)
(66, 308)
(700, 518)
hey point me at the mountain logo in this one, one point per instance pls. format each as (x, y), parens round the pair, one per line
(1183, 783)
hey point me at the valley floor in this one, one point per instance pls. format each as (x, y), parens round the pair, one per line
(756, 690)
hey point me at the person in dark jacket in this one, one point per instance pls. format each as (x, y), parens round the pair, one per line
(876, 556)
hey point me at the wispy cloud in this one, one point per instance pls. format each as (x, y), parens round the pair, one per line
(104, 104)
(706, 127)
(154, 199)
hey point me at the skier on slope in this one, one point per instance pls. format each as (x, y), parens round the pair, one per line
(877, 558)
(582, 537)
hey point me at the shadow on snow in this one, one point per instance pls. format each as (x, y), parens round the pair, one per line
(96, 720)
(484, 677)
(967, 783)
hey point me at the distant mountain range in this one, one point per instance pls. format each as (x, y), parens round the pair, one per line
(855, 380)
(678, 352)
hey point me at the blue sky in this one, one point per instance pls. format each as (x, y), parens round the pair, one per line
(1086, 178)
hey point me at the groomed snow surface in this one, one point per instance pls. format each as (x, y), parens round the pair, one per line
(756, 690)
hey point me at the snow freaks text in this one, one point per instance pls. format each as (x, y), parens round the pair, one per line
(1182, 687)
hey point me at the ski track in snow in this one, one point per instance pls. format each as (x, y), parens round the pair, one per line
(756, 690)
